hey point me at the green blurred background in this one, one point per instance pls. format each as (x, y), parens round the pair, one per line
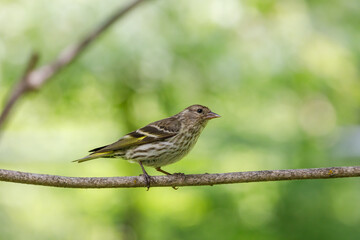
(283, 74)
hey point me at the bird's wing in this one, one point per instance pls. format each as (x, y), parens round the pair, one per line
(153, 132)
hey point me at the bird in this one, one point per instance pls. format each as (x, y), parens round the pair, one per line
(159, 143)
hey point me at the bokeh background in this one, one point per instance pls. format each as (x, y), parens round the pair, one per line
(284, 75)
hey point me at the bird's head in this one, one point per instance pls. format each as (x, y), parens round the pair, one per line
(198, 114)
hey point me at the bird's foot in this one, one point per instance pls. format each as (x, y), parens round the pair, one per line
(182, 175)
(147, 180)
(146, 176)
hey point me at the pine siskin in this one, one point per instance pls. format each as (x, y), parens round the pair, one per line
(159, 143)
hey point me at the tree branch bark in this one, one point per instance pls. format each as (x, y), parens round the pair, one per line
(33, 79)
(178, 180)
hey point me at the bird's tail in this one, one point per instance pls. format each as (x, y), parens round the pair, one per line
(94, 156)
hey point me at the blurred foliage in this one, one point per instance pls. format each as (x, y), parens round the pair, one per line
(283, 74)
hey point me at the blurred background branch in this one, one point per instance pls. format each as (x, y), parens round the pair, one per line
(33, 79)
(21, 87)
(178, 180)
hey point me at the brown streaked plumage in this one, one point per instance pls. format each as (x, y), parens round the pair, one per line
(159, 143)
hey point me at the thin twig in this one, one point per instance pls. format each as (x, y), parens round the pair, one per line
(33, 79)
(177, 180)
(20, 88)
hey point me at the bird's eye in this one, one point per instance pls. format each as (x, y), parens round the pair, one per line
(199, 110)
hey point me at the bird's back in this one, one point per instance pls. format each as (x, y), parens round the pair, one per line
(165, 152)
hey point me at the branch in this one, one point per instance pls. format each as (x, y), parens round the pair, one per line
(20, 88)
(177, 180)
(33, 79)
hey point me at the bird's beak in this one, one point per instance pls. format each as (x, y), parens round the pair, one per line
(212, 115)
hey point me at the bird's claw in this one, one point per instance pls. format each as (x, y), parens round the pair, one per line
(147, 180)
(182, 175)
